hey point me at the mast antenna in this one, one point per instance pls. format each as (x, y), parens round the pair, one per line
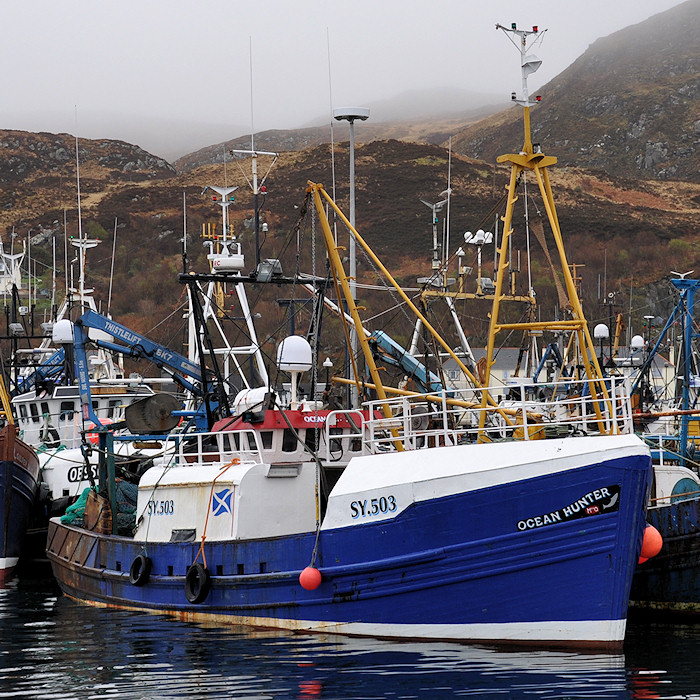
(80, 216)
(330, 100)
(111, 271)
(184, 232)
(250, 57)
(529, 63)
(257, 187)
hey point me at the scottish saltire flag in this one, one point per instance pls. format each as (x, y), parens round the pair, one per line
(222, 502)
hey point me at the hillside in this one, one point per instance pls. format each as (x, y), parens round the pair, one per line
(37, 175)
(630, 105)
(622, 120)
(632, 231)
(423, 128)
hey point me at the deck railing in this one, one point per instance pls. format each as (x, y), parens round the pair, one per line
(531, 412)
(342, 443)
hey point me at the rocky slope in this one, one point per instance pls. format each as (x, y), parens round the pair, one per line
(623, 121)
(630, 105)
(627, 233)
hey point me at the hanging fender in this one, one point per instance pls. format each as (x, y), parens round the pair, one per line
(140, 570)
(197, 583)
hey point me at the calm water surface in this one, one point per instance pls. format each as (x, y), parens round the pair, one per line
(51, 647)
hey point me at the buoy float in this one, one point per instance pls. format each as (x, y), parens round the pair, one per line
(652, 542)
(310, 578)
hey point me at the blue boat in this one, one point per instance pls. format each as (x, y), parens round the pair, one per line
(532, 541)
(441, 515)
(670, 582)
(19, 484)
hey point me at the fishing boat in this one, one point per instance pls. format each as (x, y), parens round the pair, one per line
(670, 582)
(418, 516)
(45, 401)
(19, 484)
(45, 392)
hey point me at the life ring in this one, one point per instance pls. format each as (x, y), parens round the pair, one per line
(197, 583)
(140, 570)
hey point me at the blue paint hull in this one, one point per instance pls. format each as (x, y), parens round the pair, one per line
(455, 567)
(18, 491)
(670, 581)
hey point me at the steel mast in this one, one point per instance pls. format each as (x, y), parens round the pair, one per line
(531, 158)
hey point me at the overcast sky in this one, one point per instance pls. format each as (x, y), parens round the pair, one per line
(137, 68)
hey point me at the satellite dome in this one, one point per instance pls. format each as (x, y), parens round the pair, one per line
(62, 332)
(294, 354)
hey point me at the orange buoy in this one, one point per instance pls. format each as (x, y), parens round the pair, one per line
(642, 560)
(652, 542)
(310, 578)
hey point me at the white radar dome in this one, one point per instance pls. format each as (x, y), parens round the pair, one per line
(62, 332)
(294, 354)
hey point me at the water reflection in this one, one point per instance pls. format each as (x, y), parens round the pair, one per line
(54, 648)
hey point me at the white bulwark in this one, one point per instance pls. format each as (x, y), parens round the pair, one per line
(245, 500)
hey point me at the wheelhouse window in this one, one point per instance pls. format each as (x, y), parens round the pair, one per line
(289, 441)
(312, 439)
(67, 410)
(266, 439)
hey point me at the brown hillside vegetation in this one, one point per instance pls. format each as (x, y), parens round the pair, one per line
(631, 232)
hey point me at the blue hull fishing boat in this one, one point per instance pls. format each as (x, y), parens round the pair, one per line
(512, 542)
(670, 582)
(441, 515)
(19, 484)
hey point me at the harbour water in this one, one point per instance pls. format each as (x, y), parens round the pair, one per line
(54, 648)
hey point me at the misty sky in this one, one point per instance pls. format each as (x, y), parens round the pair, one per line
(140, 69)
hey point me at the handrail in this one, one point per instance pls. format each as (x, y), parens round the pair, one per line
(356, 420)
(422, 420)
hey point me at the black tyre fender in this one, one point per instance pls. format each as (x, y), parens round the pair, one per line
(197, 583)
(53, 438)
(140, 570)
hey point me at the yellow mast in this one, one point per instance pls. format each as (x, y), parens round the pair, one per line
(342, 279)
(532, 159)
(6, 410)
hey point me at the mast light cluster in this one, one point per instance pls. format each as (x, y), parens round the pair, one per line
(514, 27)
(529, 63)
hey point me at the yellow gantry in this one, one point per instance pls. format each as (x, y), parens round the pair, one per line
(5, 405)
(533, 160)
(342, 285)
